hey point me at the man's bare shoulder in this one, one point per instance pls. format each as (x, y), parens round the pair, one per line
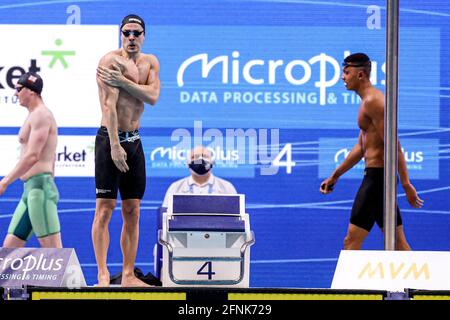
(373, 104)
(375, 98)
(110, 57)
(41, 116)
(151, 58)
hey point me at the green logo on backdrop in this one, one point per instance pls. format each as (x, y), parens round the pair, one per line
(58, 55)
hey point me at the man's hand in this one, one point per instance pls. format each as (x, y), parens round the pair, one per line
(112, 77)
(3, 187)
(119, 156)
(411, 195)
(327, 185)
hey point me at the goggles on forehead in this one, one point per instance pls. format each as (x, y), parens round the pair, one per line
(356, 65)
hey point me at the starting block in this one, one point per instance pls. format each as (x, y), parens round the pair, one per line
(205, 241)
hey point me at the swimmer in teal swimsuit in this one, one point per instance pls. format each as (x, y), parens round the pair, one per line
(37, 209)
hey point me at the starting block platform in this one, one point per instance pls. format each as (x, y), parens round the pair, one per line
(205, 241)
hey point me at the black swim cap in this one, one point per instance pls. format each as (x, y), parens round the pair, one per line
(133, 18)
(32, 81)
(357, 60)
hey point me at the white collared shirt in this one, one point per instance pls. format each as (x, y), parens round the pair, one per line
(214, 185)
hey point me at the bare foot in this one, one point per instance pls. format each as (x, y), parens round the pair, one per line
(132, 281)
(103, 280)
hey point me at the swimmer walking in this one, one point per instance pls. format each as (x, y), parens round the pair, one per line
(368, 205)
(37, 209)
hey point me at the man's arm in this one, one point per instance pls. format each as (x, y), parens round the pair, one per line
(39, 131)
(355, 155)
(411, 193)
(402, 169)
(108, 99)
(148, 92)
(375, 109)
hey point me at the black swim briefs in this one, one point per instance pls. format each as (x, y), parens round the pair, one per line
(368, 206)
(109, 179)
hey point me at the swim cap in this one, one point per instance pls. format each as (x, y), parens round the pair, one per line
(133, 18)
(32, 81)
(357, 60)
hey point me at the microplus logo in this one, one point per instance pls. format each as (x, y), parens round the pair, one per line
(410, 156)
(30, 263)
(421, 156)
(241, 72)
(175, 154)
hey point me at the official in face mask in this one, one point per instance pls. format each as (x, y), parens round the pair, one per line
(200, 166)
(201, 179)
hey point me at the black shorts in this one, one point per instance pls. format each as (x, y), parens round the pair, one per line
(109, 179)
(368, 206)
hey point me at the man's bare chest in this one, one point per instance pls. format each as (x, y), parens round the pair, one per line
(24, 133)
(364, 121)
(137, 72)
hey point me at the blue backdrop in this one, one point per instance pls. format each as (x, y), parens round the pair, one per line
(263, 78)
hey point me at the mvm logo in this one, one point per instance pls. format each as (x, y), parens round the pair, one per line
(394, 271)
